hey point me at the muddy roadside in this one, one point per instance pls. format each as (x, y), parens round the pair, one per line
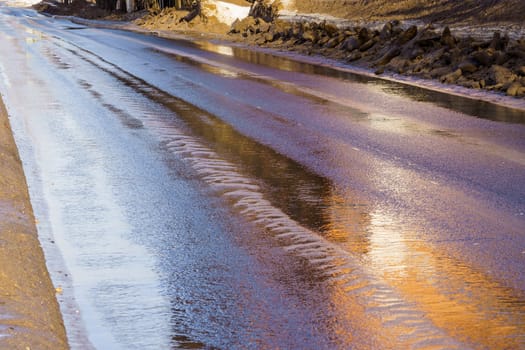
(29, 312)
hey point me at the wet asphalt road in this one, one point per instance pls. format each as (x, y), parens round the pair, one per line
(196, 195)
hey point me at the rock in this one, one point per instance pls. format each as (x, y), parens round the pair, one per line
(516, 53)
(379, 71)
(414, 53)
(447, 38)
(334, 42)
(310, 35)
(244, 25)
(236, 27)
(500, 58)
(423, 62)
(427, 38)
(354, 56)
(270, 36)
(501, 75)
(264, 26)
(514, 89)
(455, 55)
(363, 36)
(468, 66)
(350, 44)
(260, 40)
(407, 35)
(348, 32)
(476, 85)
(331, 29)
(397, 30)
(297, 30)
(387, 57)
(521, 70)
(323, 40)
(468, 83)
(446, 58)
(476, 44)
(435, 56)
(499, 43)
(386, 32)
(398, 64)
(483, 57)
(366, 46)
(283, 28)
(439, 71)
(451, 77)
(494, 87)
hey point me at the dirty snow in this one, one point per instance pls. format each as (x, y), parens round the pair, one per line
(225, 12)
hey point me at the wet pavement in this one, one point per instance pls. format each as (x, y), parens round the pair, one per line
(196, 195)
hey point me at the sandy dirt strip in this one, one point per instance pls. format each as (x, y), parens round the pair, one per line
(29, 312)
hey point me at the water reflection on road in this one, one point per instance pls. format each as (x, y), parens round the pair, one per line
(294, 218)
(468, 305)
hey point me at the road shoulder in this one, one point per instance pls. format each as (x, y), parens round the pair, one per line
(29, 313)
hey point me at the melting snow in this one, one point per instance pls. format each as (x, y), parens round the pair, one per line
(226, 12)
(19, 3)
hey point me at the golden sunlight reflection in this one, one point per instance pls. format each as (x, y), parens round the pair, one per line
(227, 73)
(220, 49)
(464, 302)
(389, 124)
(388, 249)
(224, 50)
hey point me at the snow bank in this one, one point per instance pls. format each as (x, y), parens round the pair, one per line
(19, 3)
(225, 12)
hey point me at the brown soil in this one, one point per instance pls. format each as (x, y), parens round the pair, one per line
(78, 8)
(495, 62)
(441, 11)
(29, 312)
(170, 19)
(444, 11)
(464, 13)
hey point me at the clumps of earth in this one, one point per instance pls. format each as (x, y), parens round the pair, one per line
(394, 45)
(171, 19)
(496, 64)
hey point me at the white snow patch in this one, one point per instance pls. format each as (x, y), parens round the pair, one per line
(19, 3)
(224, 11)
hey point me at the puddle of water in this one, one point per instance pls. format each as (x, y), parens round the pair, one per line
(428, 299)
(372, 270)
(473, 107)
(288, 194)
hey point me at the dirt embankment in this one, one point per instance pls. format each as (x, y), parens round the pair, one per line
(434, 52)
(442, 40)
(429, 11)
(29, 312)
(171, 19)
